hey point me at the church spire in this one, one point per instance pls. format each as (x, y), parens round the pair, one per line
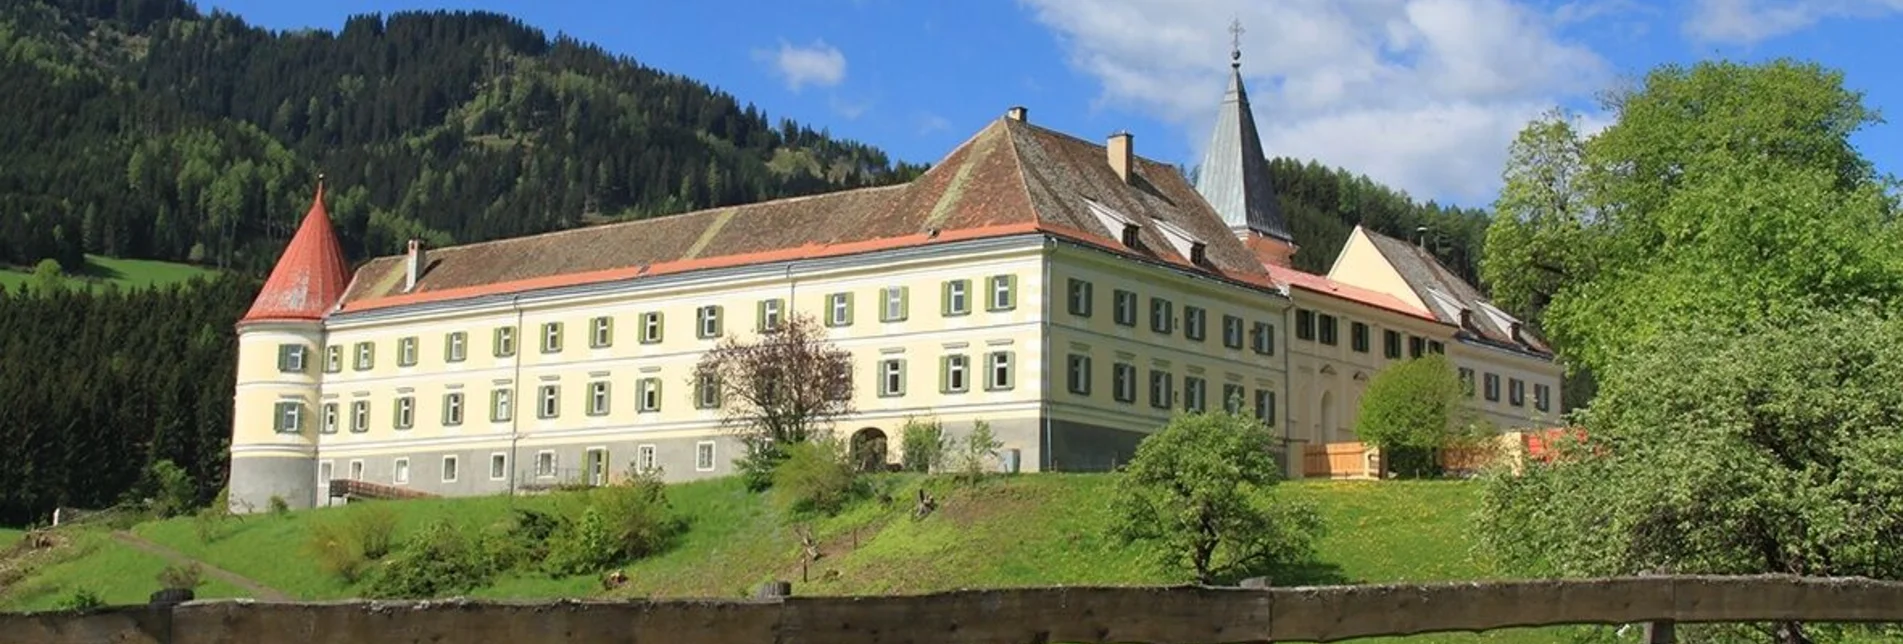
(1234, 175)
(311, 274)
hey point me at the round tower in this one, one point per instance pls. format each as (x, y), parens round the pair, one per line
(277, 407)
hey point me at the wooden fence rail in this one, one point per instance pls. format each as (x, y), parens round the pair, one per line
(1158, 615)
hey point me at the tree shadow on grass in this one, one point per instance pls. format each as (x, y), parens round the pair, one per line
(95, 270)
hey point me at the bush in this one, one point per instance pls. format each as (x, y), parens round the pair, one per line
(980, 449)
(188, 576)
(924, 444)
(81, 599)
(586, 545)
(278, 506)
(344, 548)
(374, 530)
(756, 468)
(817, 476)
(617, 523)
(439, 560)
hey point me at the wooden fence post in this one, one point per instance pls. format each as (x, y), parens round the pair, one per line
(1663, 631)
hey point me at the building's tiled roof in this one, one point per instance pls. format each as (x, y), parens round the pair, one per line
(1349, 292)
(1010, 178)
(1435, 284)
(309, 276)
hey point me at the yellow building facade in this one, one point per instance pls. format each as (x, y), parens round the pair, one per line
(1071, 294)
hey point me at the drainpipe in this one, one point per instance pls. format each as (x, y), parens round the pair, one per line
(1046, 460)
(1288, 392)
(515, 404)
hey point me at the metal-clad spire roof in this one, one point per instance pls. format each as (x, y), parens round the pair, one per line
(311, 274)
(1234, 176)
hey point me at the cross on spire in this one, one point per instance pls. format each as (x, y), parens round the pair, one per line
(1235, 42)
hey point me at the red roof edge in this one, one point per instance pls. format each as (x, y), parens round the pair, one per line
(311, 274)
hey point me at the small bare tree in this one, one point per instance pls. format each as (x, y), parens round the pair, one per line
(783, 386)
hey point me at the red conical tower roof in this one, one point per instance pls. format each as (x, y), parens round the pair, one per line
(311, 275)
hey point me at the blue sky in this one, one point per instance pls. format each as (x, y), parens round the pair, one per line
(1421, 94)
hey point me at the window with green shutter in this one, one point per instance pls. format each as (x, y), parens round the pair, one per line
(290, 417)
(366, 356)
(455, 347)
(1391, 344)
(954, 298)
(1162, 389)
(1004, 293)
(1265, 406)
(1327, 324)
(291, 358)
(839, 309)
(1232, 332)
(651, 327)
(601, 332)
(1195, 393)
(1124, 307)
(1263, 338)
(1080, 297)
(1162, 316)
(895, 304)
(1123, 382)
(891, 377)
(650, 395)
(452, 409)
(406, 351)
(768, 315)
(333, 358)
(505, 341)
(552, 337)
(1195, 323)
(1078, 374)
(1304, 324)
(1358, 337)
(708, 321)
(1001, 371)
(954, 373)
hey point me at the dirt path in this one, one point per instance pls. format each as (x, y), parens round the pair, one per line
(257, 590)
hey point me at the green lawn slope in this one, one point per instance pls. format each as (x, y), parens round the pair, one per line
(100, 270)
(117, 573)
(1029, 530)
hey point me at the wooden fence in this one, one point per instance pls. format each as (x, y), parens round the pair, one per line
(1341, 461)
(1156, 615)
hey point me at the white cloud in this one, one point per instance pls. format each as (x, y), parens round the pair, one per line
(929, 123)
(1423, 95)
(1748, 21)
(819, 64)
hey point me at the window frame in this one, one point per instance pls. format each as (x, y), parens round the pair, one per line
(1123, 382)
(333, 419)
(954, 373)
(1000, 371)
(1265, 406)
(1490, 384)
(1162, 315)
(1001, 293)
(1123, 307)
(400, 471)
(895, 303)
(956, 296)
(546, 456)
(646, 458)
(1358, 336)
(404, 416)
(601, 332)
(293, 358)
(1516, 392)
(1077, 374)
(453, 409)
(1195, 394)
(1391, 345)
(772, 313)
(648, 395)
(891, 377)
(548, 402)
(705, 451)
(1328, 329)
(451, 468)
(706, 391)
(599, 401)
(366, 355)
(502, 404)
(1305, 325)
(551, 337)
(651, 327)
(1195, 323)
(287, 417)
(334, 358)
(1162, 389)
(1080, 294)
(456, 347)
(359, 416)
(498, 466)
(406, 351)
(839, 309)
(1262, 338)
(504, 341)
(1233, 332)
(707, 321)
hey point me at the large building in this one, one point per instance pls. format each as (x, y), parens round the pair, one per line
(1070, 293)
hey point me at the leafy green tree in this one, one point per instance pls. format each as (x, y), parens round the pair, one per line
(1411, 410)
(1771, 448)
(818, 476)
(925, 444)
(1723, 194)
(48, 278)
(978, 453)
(1199, 490)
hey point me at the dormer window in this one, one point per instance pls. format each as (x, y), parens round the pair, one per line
(1199, 254)
(1130, 234)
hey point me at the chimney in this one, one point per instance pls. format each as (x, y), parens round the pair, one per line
(1018, 113)
(1120, 155)
(413, 265)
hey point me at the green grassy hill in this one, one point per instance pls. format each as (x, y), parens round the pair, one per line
(101, 270)
(1034, 530)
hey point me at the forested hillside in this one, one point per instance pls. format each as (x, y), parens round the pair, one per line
(1323, 205)
(142, 128)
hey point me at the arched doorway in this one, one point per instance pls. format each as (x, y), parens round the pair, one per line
(1325, 431)
(868, 449)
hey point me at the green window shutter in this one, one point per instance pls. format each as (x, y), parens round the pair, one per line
(759, 316)
(848, 321)
(719, 320)
(902, 370)
(660, 326)
(945, 298)
(944, 374)
(905, 303)
(284, 357)
(1011, 292)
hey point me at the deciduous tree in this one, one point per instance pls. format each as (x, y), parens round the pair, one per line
(1198, 491)
(1411, 410)
(779, 387)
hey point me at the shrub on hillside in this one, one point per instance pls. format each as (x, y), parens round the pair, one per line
(173, 493)
(1198, 492)
(756, 468)
(617, 523)
(188, 576)
(978, 453)
(586, 545)
(441, 559)
(345, 547)
(818, 476)
(81, 599)
(924, 444)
